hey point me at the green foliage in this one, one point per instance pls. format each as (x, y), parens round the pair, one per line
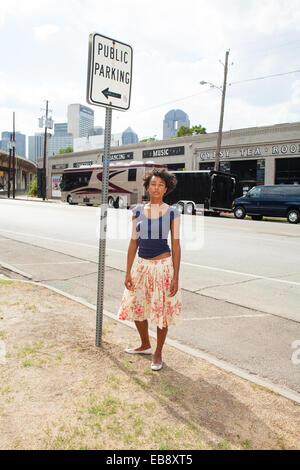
(149, 139)
(183, 130)
(66, 150)
(33, 188)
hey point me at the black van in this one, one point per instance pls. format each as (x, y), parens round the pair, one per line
(272, 201)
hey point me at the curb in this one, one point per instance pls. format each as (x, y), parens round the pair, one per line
(32, 199)
(278, 389)
(15, 270)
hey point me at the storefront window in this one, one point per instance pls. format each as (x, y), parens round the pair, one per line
(287, 171)
(260, 172)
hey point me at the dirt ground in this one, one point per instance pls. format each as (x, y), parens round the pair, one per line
(59, 391)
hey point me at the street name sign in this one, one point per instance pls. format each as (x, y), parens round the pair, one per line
(109, 72)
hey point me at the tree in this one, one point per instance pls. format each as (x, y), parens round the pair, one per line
(66, 150)
(149, 139)
(33, 188)
(195, 130)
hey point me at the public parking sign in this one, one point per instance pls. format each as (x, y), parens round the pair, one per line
(109, 72)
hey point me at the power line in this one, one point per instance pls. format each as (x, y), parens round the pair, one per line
(266, 76)
(197, 94)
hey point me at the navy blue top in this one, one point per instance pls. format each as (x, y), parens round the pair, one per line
(153, 233)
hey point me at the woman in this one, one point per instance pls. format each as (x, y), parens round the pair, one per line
(152, 289)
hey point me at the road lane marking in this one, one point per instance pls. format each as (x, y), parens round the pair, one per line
(66, 262)
(212, 268)
(229, 316)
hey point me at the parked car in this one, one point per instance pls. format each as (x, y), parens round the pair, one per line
(271, 201)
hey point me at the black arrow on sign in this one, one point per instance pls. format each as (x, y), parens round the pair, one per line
(108, 93)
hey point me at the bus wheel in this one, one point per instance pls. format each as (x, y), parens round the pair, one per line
(69, 199)
(293, 216)
(239, 212)
(111, 202)
(120, 204)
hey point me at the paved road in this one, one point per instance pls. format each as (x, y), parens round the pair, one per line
(240, 279)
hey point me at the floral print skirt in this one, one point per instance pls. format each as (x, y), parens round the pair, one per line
(150, 298)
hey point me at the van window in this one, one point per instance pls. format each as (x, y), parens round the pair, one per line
(281, 190)
(271, 192)
(254, 192)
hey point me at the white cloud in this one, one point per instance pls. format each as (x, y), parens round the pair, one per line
(296, 92)
(42, 33)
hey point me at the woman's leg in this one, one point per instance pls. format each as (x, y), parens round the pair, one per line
(161, 337)
(142, 327)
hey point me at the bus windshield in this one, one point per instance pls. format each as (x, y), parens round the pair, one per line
(75, 180)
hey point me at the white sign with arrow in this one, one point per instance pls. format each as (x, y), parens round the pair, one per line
(109, 72)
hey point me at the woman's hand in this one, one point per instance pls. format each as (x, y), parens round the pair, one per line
(128, 282)
(173, 287)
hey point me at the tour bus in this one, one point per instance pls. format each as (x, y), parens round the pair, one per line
(125, 187)
(204, 191)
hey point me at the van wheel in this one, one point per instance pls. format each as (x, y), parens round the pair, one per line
(257, 217)
(293, 216)
(239, 212)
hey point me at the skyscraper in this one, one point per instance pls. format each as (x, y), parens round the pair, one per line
(129, 137)
(98, 130)
(20, 142)
(80, 120)
(60, 139)
(172, 121)
(36, 146)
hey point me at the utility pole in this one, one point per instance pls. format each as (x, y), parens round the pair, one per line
(14, 156)
(9, 166)
(45, 155)
(219, 141)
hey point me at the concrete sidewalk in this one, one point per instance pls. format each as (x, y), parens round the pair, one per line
(58, 391)
(25, 197)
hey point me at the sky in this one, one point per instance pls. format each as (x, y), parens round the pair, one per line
(44, 55)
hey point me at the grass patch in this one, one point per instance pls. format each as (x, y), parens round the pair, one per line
(67, 438)
(127, 364)
(2, 334)
(30, 349)
(261, 387)
(3, 282)
(224, 445)
(109, 405)
(246, 444)
(139, 381)
(168, 390)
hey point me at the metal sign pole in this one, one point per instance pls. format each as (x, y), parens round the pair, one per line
(103, 226)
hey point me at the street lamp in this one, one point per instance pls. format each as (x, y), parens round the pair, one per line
(223, 90)
(48, 125)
